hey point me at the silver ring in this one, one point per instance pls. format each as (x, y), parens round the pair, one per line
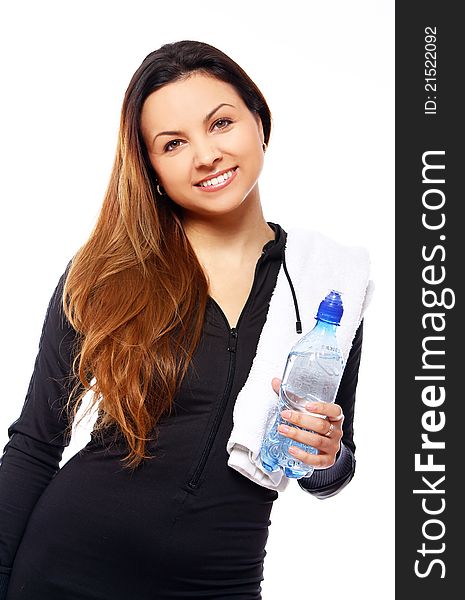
(330, 430)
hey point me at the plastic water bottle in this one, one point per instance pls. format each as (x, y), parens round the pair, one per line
(312, 374)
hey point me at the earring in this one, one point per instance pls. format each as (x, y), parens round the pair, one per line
(264, 146)
(158, 190)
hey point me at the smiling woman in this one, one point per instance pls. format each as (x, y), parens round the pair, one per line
(159, 315)
(228, 139)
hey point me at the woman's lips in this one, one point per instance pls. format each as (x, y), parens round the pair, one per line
(219, 186)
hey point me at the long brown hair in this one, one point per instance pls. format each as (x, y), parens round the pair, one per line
(135, 291)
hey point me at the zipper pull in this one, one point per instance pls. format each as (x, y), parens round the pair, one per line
(232, 339)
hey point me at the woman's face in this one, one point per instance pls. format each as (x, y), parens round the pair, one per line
(196, 128)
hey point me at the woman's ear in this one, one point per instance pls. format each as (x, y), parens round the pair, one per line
(259, 126)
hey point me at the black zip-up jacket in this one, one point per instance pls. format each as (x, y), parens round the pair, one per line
(185, 524)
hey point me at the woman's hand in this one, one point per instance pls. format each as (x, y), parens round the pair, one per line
(324, 433)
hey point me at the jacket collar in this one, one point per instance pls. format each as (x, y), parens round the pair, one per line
(274, 249)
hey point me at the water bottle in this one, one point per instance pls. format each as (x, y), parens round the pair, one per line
(312, 374)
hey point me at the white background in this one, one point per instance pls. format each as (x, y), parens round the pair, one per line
(327, 72)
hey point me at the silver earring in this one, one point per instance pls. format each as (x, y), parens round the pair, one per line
(264, 146)
(158, 190)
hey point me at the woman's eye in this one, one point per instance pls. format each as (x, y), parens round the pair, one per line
(227, 121)
(170, 144)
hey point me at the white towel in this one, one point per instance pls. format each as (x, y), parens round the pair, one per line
(316, 265)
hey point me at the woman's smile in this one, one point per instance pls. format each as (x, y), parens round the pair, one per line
(219, 182)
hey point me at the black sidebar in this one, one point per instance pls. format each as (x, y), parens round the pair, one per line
(430, 324)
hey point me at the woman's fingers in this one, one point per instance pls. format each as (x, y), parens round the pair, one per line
(318, 461)
(324, 433)
(328, 409)
(319, 427)
(320, 442)
(307, 421)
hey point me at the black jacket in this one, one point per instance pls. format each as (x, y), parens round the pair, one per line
(183, 522)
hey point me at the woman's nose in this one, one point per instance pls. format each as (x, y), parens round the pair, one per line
(206, 154)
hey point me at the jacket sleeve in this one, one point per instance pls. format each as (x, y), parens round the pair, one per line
(37, 438)
(324, 483)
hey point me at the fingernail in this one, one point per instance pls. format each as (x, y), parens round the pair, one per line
(286, 414)
(312, 406)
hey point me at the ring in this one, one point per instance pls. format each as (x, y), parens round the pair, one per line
(328, 433)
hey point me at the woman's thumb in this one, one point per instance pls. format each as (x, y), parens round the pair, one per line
(275, 384)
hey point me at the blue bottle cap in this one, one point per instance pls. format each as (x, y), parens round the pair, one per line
(331, 309)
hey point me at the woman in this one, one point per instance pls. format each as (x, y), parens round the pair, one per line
(159, 314)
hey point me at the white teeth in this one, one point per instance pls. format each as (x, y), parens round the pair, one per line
(217, 180)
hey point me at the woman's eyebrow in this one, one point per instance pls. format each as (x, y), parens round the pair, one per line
(207, 117)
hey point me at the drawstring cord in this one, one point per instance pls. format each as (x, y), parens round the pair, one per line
(298, 324)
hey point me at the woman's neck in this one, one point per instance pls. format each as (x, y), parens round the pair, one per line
(228, 240)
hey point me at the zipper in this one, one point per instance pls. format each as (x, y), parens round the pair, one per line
(193, 483)
(232, 345)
